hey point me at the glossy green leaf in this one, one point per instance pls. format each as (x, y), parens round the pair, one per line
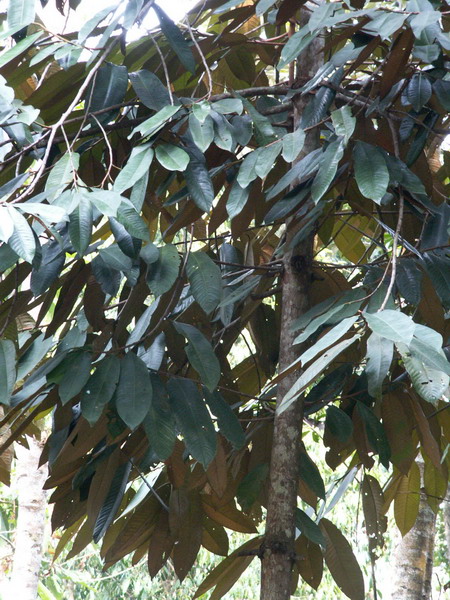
(202, 132)
(392, 325)
(134, 391)
(338, 423)
(100, 388)
(176, 39)
(198, 180)
(20, 13)
(193, 419)
(159, 424)
(327, 170)
(152, 93)
(109, 88)
(163, 273)
(22, 240)
(80, 225)
(310, 474)
(7, 370)
(293, 144)
(227, 421)
(380, 352)
(314, 371)
(75, 377)
(309, 528)
(205, 279)
(266, 157)
(297, 42)
(112, 501)
(247, 171)
(6, 224)
(328, 339)
(419, 90)
(344, 122)
(172, 157)
(237, 199)
(200, 354)
(136, 167)
(156, 122)
(371, 172)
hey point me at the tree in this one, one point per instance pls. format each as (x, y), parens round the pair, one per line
(271, 168)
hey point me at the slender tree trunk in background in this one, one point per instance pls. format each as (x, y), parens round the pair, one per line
(446, 516)
(277, 557)
(413, 557)
(30, 522)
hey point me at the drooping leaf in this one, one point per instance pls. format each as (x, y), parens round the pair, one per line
(100, 388)
(205, 279)
(80, 225)
(75, 377)
(380, 352)
(371, 172)
(150, 90)
(137, 165)
(163, 273)
(198, 180)
(419, 90)
(392, 325)
(200, 354)
(338, 423)
(176, 39)
(109, 88)
(159, 422)
(7, 370)
(227, 421)
(172, 157)
(134, 390)
(193, 419)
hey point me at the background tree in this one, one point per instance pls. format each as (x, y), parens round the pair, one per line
(161, 199)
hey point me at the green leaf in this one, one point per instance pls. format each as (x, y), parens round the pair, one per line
(419, 91)
(247, 170)
(371, 172)
(437, 265)
(227, 422)
(309, 528)
(341, 562)
(338, 423)
(80, 225)
(228, 105)
(344, 122)
(429, 383)
(134, 391)
(20, 13)
(6, 224)
(100, 388)
(19, 48)
(75, 377)
(266, 157)
(198, 180)
(88, 27)
(205, 279)
(175, 39)
(62, 174)
(408, 280)
(105, 201)
(251, 485)
(109, 88)
(237, 199)
(379, 356)
(392, 325)
(429, 356)
(201, 110)
(327, 170)
(310, 474)
(441, 88)
(156, 122)
(151, 92)
(136, 167)
(172, 157)
(22, 240)
(115, 258)
(193, 419)
(223, 132)
(296, 43)
(133, 222)
(293, 144)
(49, 213)
(314, 371)
(7, 370)
(159, 423)
(202, 132)
(163, 273)
(376, 434)
(264, 131)
(327, 340)
(200, 354)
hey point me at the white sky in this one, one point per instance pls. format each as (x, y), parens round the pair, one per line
(176, 9)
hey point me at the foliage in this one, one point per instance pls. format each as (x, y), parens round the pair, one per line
(145, 186)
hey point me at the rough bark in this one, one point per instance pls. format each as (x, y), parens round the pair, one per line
(30, 522)
(413, 557)
(278, 548)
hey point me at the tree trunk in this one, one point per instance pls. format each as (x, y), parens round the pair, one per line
(278, 549)
(413, 557)
(30, 522)
(446, 515)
